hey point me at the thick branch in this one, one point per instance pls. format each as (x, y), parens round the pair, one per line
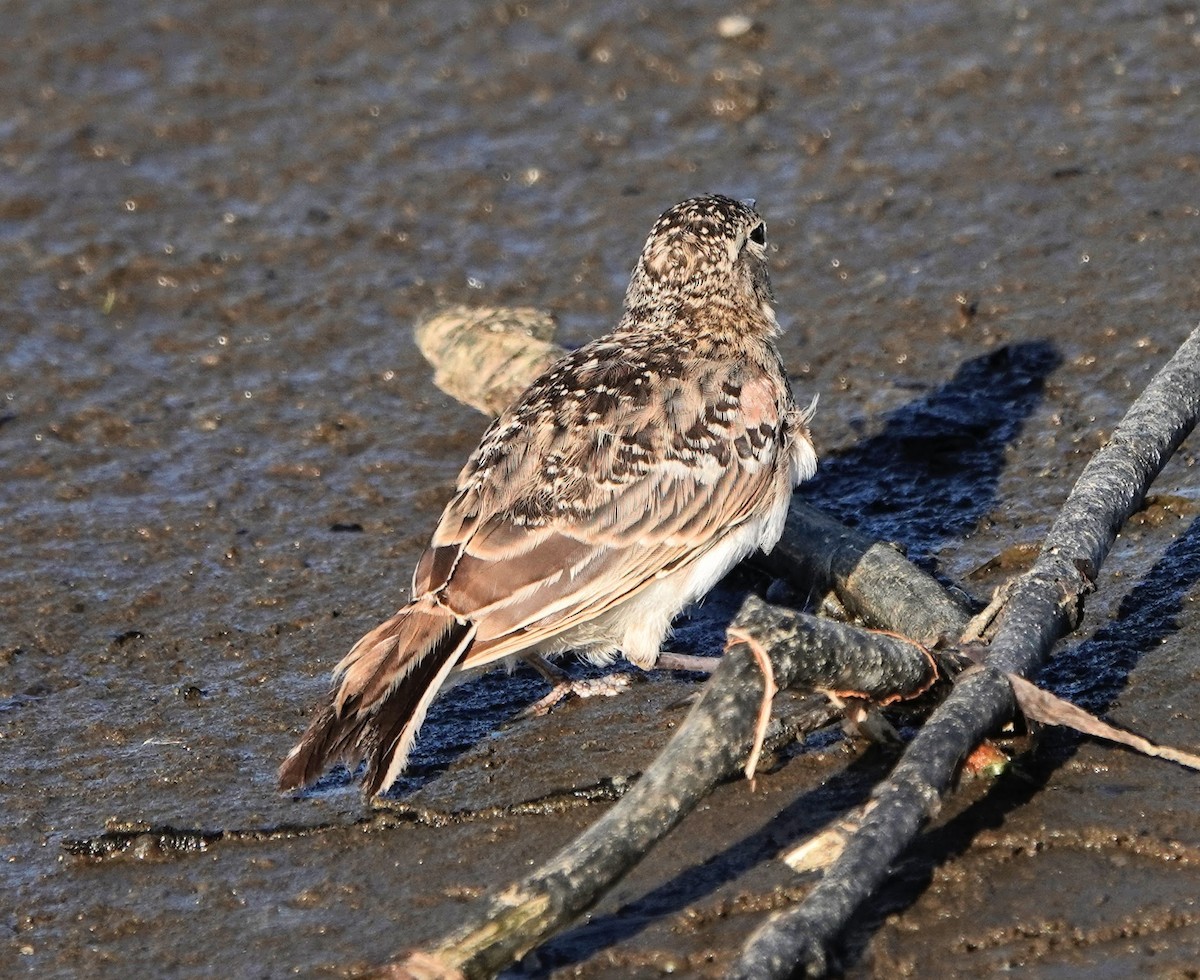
(872, 580)
(820, 655)
(1044, 604)
(486, 355)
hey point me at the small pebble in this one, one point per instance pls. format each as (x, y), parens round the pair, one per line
(734, 25)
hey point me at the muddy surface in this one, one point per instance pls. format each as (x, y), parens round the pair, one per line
(221, 450)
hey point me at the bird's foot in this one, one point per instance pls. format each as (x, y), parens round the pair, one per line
(607, 686)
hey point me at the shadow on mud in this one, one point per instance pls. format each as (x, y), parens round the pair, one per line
(931, 474)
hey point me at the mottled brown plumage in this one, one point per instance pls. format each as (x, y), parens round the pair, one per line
(620, 487)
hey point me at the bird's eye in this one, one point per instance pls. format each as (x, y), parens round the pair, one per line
(758, 234)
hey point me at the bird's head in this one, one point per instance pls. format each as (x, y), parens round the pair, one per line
(706, 254)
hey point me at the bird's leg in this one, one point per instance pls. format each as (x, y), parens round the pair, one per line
(561, 685)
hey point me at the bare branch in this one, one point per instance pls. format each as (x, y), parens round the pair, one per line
(873, 580)
(710, 746)
(1044, 604)
(486, 355)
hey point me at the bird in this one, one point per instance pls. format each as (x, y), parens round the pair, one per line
(618, 489)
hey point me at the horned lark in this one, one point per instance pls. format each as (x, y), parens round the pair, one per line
(620, 487)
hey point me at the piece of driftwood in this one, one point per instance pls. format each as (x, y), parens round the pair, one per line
(1040, 607)
(873, 581)
(486, 355)
(708, 747)
(821, 655)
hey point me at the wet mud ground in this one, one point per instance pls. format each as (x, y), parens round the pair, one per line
(221, 451)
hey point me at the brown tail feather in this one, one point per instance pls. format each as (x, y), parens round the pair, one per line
(379, 697)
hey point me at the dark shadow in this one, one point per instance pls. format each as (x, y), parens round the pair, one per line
(1093, 673)
(931, 474)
